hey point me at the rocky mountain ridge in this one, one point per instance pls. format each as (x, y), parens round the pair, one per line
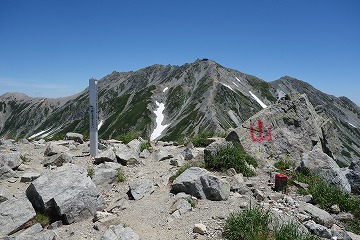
(165, 190)
(200, 96)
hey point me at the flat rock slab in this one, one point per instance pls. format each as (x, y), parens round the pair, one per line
(142, 188)
(67, 192)
(14, 213)
(318, 215)
(6, 172)
(29, 176)
(12, 160)
(119, 232)
(58, 159)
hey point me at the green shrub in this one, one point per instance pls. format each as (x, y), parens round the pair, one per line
(251, 224)
(327, 195)
(120, 175)
(284, 165)
(292, 231)
(145, 145)
(127, 137)
(42, 218)
(201, 139)
(90, 172)
(231, 156)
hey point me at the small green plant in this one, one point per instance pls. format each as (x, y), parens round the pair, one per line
(327, 195)
(284, 165)
(42, 218)
(201, 139)
(231, 156)
(23, 158)
(192, 202)
(251, 224)
(127, 137)
(179, 172)
(145, 145)
(120, 175)
(293, 232)
(90, 172)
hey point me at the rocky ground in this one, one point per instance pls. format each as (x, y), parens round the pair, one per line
(53, 175)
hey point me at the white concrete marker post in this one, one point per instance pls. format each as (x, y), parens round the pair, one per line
(93, 102)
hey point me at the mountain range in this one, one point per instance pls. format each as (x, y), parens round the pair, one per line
(202, 96)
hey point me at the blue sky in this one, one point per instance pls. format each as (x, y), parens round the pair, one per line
(51, 48)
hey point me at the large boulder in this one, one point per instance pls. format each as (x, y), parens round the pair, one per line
(105, 173)
(58, 159)
(13, 160)
(53, 149)
(126, 155)
(199, 183)
(324, 166)
(353, 176)
(106, 156)
(14, 213)
(285, 130)
(141, 188)
(77, 137)
(67, 192)
(6, 172)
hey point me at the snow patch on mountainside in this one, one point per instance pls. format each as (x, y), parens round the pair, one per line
(165, 89)
(159, 118)
(227, 86)
(263, 105)
(233, 117)
(352, 125)
(238, 80)
(38, 134)
(100, 124)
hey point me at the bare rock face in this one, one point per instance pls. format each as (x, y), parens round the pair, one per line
(324, 166)
(14, 213)
(12, 160)
(353, 176)
(285, 130)
(67, 193)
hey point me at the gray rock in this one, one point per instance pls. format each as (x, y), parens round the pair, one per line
(181, 205)
(321, 164)
(44, 235)
(77, 137)
(67, 192)
(29, 176)
(215, 188)
(119, 204)
(343, 216)
(294, 126)
(12, 160)
(318, 230)
(14, 213)
(353, 236)
(212, 149)
(6, 172)
(4, 195)
(106, 156)
(199, 228)
(259, 195)
(145, 154)
(135, 146)
(199, 183)
(162, 154)
(353, 176)
(318, 215)
(125, 155)
(119, 232)
(105, 173)
(53, 149)
(141, 188)
(58, 159)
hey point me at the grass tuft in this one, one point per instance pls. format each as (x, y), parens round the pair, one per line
(231, 156)
(120, 176)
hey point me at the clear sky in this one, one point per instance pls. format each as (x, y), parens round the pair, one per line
(51, 48)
